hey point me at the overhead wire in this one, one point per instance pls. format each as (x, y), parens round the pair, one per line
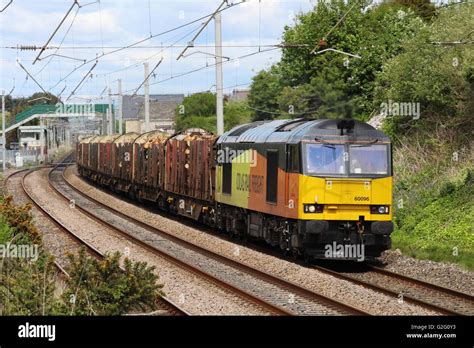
(144, 40)
(153, 55)
(58, 48)
(204, 25)
(80, 83)
(6, 6)
(148, 76)
(282, 45)
(337, 24)
(207, 66)
(55, 31)
(28, 73)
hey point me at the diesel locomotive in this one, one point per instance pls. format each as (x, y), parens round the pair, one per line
(313, 188)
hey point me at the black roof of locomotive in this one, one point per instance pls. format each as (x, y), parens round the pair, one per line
(294, 131)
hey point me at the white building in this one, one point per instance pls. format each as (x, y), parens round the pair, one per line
(30, 137)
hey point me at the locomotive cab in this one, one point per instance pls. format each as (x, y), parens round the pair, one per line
(346, 194)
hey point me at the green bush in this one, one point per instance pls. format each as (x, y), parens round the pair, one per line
(102, 287)
(440, 226)
(99, 287)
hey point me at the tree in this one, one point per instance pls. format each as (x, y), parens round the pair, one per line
(339, 84)
(437, 77)
(236, 113)
(204, 122)
(322, 97)
(196, 111)
(423, 8)
(198, 104)
(200, 112)
(263, 98)
(27, 288)
(26, 285)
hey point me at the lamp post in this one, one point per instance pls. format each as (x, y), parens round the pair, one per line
(3, 132)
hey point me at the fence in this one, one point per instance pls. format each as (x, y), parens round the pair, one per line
(14, 158)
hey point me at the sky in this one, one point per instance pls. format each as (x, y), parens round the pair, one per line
(97, 28)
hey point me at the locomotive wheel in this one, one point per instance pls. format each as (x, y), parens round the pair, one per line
(307, 258)
(295, 254)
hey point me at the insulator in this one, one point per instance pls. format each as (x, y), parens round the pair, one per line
(28, 47)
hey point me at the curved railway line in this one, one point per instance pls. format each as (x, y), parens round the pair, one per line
(434, 297)
(276, 294)
(272, 293)
(21, 189)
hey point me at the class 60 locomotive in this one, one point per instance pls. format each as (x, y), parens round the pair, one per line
(317, 189)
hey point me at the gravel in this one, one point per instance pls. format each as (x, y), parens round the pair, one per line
(192, 293)
(340, 290)
(55, 241)
(445, 274)
(230, 274)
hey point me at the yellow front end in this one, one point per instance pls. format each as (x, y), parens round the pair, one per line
(346, 199)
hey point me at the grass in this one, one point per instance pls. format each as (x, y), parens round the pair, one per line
(6, 233)
(442, 230)
(436, 220)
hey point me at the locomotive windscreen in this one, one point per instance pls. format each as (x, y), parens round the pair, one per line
(347, 159)
(325, 159)
(368, 159)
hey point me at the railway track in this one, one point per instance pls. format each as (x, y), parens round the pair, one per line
(248, 297)
(434, 297)
(163, 302)
(14, 184)
(287, 297)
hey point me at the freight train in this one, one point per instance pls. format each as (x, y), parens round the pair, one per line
(312, 188)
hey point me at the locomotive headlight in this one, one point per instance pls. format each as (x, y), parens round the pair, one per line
(379, 209)
(313, 208)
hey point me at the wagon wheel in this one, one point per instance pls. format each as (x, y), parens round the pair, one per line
(307, 257)
(295, 254)
(131, 193)
(285, 245)
(244, 237)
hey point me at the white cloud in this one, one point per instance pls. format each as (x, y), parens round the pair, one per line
(123, 22)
